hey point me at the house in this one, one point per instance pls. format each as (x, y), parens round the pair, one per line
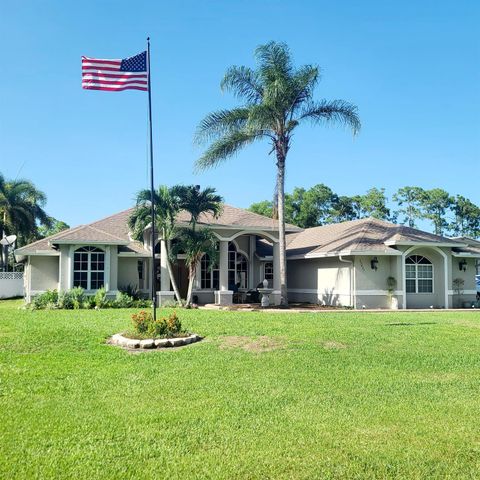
(365, 263)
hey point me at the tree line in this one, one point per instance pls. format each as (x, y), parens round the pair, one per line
(319, 205)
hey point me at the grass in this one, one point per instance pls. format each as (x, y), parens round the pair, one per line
(280, 396)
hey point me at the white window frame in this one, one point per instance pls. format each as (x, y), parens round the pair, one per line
(416, 292)
(89, 270)
(270, 280)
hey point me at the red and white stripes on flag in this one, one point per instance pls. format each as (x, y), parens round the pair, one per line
(115, 75)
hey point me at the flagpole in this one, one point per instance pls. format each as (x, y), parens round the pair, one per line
(152, 194)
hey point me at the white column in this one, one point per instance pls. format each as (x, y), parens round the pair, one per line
(164, 275)
(113, 268)
(107, 268)
(165, 295)
(224, 296)
(223, 265)
(276, 295)
(251, 253)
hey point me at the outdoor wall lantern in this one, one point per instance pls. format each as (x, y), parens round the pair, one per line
(462, 265)
(374, 263)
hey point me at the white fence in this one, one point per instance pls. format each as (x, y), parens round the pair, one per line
(11, 284)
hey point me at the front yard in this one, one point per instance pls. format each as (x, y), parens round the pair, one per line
(281, 396)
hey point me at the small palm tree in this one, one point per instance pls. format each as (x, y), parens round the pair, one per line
(166, 208)
(277, 98)
(197, 202)
(194, 243)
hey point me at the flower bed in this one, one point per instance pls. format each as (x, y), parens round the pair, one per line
(150, 343)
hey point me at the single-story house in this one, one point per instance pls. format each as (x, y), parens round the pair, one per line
(365, 263)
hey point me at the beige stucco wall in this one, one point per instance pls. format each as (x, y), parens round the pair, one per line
(43, 273)
(468, 276)
(127, 271)
(325, 281)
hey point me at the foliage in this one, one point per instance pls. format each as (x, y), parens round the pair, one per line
(131, 291)
(466, 217)
(435, 204)
(53, 227)
(39, 302)
(265, 207)
(391, 285)
(319, 205)
(410, 199)
(164, 327)
(124, 300)
(101, 298)
(21, 207)
(76, 298)
(193, 242)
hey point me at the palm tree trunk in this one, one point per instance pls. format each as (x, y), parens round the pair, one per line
(191, 278)
(170, 273)
(281, 156)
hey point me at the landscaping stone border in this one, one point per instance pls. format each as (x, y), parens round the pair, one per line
(149, 343)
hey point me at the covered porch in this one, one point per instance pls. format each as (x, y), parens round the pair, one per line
(245, 260)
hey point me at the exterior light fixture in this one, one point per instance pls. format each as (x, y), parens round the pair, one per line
(374, 263)
(462, 265)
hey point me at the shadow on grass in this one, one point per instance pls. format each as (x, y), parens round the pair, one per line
(406, 324)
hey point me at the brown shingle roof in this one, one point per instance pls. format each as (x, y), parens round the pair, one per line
(368, 234)
(114, 230)
(238, 217)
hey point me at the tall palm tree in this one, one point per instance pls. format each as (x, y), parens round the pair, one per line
(277, 98)
(21, 209)
(166, 208)
(195, 243)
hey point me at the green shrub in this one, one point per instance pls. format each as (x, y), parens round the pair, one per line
(123, 300)
(131, 291)
(145, 325)
(101, 298)
(40, 302)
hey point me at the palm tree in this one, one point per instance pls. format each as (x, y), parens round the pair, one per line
(277, 98)
(21, 209)
(166, 209)
(197, 202)
(195, 243)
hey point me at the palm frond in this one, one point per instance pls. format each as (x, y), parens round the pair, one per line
(219, 123)
(226, 147)
(335, 111)
(243, 82)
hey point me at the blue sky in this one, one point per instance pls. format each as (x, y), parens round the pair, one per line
(413, 69)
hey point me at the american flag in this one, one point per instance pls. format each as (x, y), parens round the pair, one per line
(115, 75)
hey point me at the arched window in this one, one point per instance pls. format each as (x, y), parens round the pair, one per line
(418, 274)
(89, 268)
(237, 270)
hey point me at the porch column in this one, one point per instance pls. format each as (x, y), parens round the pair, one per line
(275, 297)
(164, 295)
(224, 296)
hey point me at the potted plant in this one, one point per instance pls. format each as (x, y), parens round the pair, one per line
(391, 285)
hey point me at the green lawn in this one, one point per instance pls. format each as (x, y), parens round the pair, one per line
(280, 396)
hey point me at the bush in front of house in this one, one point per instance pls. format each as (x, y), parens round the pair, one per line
(144, 326)
(76, 298)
